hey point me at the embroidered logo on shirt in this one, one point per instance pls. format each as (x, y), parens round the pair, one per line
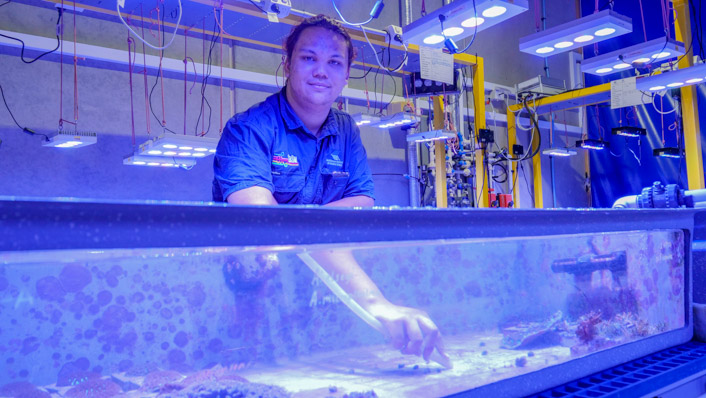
(334, 160)
(281, 159)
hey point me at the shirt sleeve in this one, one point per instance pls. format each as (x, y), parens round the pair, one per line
(361, 179)
(243, 158)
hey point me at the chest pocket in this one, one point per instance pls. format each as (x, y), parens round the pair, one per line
(288, 179)
(335, 183)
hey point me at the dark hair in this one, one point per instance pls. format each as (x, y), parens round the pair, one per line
(321, 21)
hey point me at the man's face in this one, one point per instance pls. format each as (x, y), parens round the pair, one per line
(318, 69)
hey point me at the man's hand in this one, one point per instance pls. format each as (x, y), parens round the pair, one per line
(410, 330)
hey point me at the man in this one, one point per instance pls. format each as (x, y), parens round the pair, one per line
(293, 148)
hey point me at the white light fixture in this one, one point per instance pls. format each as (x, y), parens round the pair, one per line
(434, 135)
(158, 161)
(461, 20)
(675, 78)
(182, 146)
(590, 29)
(564, 152)
(399, 119)
(67, 139)
(637, 55)
(364, 119)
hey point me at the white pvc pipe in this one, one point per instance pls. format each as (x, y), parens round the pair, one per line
(354, 306)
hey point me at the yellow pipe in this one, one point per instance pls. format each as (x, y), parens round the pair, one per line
(440, 187)
(512, 140)
(479, 123)
(689, 104)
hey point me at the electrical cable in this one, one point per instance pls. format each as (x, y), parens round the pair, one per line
(206, 75)
(475, 31)
(373, 11)
(5, 3)
(258, 6)
(661, 112)
(25, 129)
(376, 54)
(58, 41)
(176, 27)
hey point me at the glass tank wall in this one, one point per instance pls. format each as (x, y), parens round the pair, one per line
(151, 321)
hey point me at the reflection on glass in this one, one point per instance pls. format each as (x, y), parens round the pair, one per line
(258, 319)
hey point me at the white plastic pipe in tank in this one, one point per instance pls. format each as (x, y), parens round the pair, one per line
(699, 196)
(354, 306)
(626, 202)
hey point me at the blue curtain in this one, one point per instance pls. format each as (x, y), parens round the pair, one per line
(629, 165)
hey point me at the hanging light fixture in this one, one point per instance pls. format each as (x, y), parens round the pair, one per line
(592, 144)
(69, 139)
(563, 152)
(590, 29)
(672, 79)
(461, 19)
(633, 56)
(434, 135)
(158, 161)
(182, 146)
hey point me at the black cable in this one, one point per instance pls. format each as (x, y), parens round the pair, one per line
(5, 3)
(58, 41)
(8, 109)
(25, 129)
(495, 178)
(527, 184)
(256, 5)
(157, 81)
(203, 84)
(364, 74)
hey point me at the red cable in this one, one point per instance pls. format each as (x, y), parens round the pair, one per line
(186, 65)
(130, 66)
(642, 15)
(61, 72)
(161, 72)
(203, 73)
(75, 71)
(144, 73)
(221, 125)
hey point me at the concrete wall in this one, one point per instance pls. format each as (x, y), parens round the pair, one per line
(32, 92)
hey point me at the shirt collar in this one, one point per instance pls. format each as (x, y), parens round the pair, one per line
(293, 122)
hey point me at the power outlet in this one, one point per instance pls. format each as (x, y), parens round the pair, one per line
(394, 32)
(279, 7)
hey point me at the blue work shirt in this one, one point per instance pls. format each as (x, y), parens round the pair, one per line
(269, 146)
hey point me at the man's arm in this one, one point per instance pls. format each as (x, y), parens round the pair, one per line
(409, 330)
(252, 196)
(353, 201)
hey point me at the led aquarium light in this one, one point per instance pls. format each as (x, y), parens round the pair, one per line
(590, 29)
(559, 152)
(633, 56)
(460, 20)
(434, 135)
(668, 152)
(672, 79)
(592, 144)
(67, 139)
(183, 146)
(363, 119)
(628, 131)
(399, 119)
(158, 161)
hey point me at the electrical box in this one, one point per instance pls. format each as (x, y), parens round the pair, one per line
(279, 7)
(485, 136)
(542, 85)
(418, 87)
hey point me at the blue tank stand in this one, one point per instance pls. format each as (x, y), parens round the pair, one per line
(638, 377)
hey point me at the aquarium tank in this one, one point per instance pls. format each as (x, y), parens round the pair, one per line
(130, 299)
